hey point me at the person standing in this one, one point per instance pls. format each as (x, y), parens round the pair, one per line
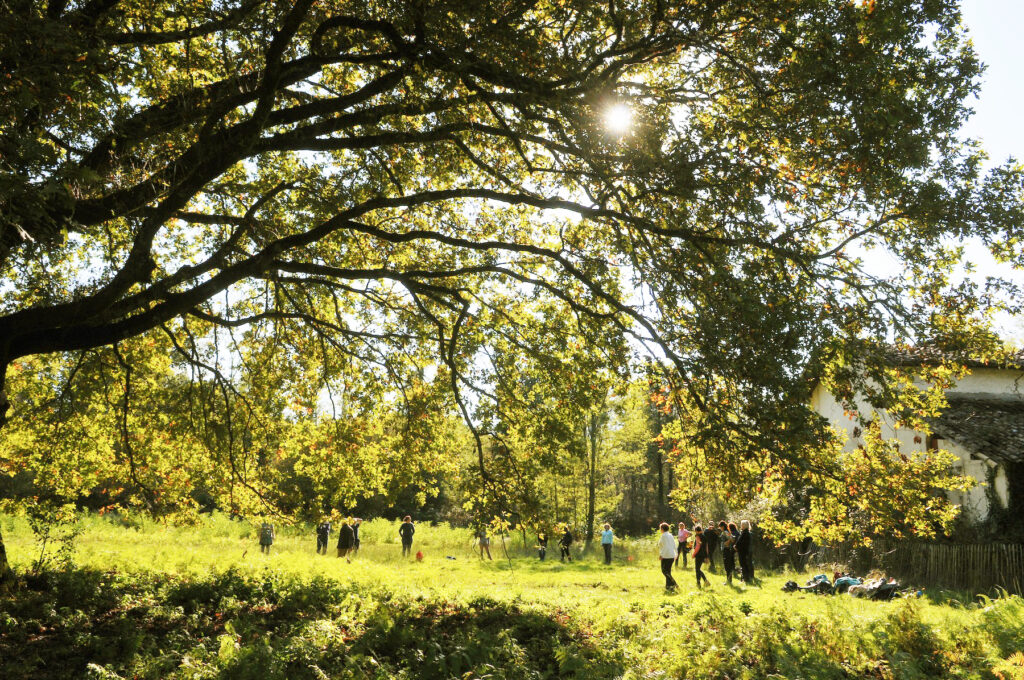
(346, 539)
(711, 540)
(743, 552)
(667, 551)
(684, 544)
(607, 536)
(542, 544)
(564, 543)
(355, 535)
(323, 536)
(406, 531)
(727, 541)
(700, 554)
(484, 542)
(266, 537)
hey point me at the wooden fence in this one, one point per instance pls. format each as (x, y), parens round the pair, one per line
(980, 568)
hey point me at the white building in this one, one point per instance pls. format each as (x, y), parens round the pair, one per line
(983, 426)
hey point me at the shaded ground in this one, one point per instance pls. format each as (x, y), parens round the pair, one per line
(94, 624)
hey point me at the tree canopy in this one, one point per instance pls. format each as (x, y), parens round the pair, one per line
(361, 194)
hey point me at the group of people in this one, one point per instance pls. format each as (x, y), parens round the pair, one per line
(348, 537)
(702, 544)
(565, 542)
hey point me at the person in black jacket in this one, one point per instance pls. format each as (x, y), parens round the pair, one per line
(565, 542)
(355, 535)
(743, 545)
(406, 531)
(711, 537)
(542, 544)
(323, 536)
(346, 539)
(727, 541)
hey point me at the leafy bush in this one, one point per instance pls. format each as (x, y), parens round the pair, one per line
(132, 610)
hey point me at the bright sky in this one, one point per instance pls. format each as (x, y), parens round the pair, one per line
(996, 28)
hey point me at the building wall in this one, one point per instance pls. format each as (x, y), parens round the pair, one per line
(974, 501)
(994, 381)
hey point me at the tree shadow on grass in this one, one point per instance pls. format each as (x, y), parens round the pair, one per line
(88, 624)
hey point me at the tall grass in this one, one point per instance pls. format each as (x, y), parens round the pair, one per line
(156, 601)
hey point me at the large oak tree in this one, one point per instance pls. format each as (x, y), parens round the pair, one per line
(383, 171)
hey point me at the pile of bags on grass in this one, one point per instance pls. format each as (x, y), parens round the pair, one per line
(878, 588)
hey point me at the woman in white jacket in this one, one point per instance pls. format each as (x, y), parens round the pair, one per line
(667, 551)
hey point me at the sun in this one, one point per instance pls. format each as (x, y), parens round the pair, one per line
(618, 118)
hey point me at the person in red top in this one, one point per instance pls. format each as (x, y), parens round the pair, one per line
(700, 554)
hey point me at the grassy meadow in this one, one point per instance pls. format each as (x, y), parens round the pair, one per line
(143, 600)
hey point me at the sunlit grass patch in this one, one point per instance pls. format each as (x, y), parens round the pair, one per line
(153, 601)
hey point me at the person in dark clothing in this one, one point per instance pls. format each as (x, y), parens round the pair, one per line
(355, 535)
(743, 546)
(346, 539)
(542, 545)
(727, 541)
(406, 531)
(700, 554)
(323, 536)
(564, 543)
(711, 538)
(266, 537)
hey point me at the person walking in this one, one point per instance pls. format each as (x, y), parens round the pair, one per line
(266, 537)
(355, 535)
(323, 536)
(667, 552)
(406, 531)
(727, 540)
(606, 542)
(684, 543)
(743, 552)
(700, 554)
(542, 544)
(565, 543)
(346, 539)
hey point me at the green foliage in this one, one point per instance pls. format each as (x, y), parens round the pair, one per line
(339, 216)
(130, 610)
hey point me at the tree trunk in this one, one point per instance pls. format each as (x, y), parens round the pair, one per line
(6, 573)
(591, 433)
(556, 496)
(661, 485)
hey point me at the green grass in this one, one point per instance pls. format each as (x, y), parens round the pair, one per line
(151, 601)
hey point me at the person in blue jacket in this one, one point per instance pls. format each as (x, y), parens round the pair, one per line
(606, 542)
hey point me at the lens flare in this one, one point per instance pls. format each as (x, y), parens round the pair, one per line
(618, 119)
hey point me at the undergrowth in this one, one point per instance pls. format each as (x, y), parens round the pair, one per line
(226, 611)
